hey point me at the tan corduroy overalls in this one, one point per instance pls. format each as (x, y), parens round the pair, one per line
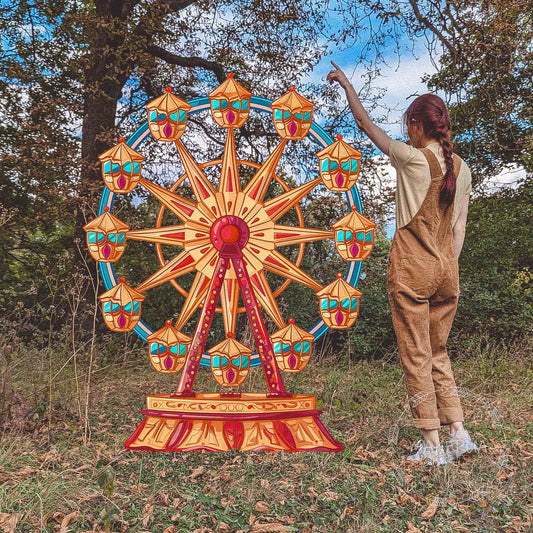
(423, 287)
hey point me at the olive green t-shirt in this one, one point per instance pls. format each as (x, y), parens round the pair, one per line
(413, 179)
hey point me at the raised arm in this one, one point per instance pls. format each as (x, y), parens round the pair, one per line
(374, 133)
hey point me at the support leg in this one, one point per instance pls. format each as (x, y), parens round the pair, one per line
(188, 374)
(262, 340)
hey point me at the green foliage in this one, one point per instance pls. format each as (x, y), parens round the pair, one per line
(495, 265)
(65, 67)
(487, 66)
(373, 334)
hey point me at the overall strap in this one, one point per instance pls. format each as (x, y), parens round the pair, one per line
(434, 165)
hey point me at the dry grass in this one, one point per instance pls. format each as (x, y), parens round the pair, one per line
(66, 486)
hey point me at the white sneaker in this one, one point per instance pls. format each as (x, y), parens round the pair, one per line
(430, 455)
(460, 444)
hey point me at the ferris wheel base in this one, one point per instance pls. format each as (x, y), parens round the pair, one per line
(249, 422)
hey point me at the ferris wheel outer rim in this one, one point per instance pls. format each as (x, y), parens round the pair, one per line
(316, 132)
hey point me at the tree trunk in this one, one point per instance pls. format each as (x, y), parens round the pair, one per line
(105, 76)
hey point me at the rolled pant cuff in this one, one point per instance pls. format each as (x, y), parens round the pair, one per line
(448, 415)
(426, 423)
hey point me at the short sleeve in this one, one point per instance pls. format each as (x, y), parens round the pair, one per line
(401, 153)
(469, 182)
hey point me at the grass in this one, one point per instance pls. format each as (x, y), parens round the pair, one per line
(65, 486)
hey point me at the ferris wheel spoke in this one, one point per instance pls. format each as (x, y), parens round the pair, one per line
(229, 301)
(285, 235)
(180, 265)
(173, 235)
(264, 295)
(230, 183)
(279, 205)
(279, 264)
(180, 206)
(194, 299)
(258, 185)
(201, 186)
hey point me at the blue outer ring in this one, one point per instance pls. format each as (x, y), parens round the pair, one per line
(202, 104)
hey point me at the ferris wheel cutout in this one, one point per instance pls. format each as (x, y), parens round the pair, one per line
(229, 236)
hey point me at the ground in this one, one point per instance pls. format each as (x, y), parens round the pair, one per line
(52, 482)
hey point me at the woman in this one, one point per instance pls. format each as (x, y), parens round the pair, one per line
(432, 193)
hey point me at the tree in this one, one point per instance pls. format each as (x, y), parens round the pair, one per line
(487, 69)
(483, 55)
(66, 66)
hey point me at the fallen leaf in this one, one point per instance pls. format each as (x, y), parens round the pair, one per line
(502, 475)
(148, 512)
(170, 529)
(411, 528)
(431, 509)
(223, 527)
(269, 528)
(67, 519)
(226, 501)
(49, 456)
(287, 519)
(197, 472)
(261, 506)
(330, 495)
(17, 476)
(403, 498)
(8, 522)
(458, 527)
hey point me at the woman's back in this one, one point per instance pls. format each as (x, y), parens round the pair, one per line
(413, 179)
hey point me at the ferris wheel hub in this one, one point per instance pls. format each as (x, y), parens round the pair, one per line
(230, 233)
(230, 229)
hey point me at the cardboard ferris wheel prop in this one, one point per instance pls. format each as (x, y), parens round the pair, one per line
(229, 236)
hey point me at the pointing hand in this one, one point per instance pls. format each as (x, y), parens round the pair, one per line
(338, 76)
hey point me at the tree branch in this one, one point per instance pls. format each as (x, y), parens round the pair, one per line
(181, 61)
(177, 5)
(430, 26)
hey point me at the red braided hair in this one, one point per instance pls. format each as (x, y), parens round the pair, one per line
(431, 112)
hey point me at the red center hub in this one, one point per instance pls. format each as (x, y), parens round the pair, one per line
(230, 232)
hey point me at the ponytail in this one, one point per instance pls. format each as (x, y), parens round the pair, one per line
(431, 112)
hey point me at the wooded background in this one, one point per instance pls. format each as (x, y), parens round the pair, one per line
(76, 75)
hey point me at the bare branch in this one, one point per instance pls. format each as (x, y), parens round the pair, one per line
(177, 5)
(181, 61)
(430, 26)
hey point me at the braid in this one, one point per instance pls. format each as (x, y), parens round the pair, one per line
(447, 190)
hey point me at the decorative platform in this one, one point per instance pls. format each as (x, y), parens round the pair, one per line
(215, 422)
